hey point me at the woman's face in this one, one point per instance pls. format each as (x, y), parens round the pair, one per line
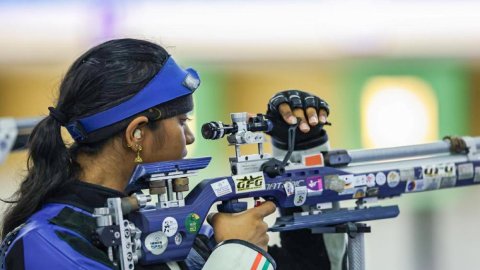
(168, 141)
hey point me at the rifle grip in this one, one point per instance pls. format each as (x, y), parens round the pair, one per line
(232, 206)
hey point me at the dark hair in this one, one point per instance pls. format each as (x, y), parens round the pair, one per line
(101, 78)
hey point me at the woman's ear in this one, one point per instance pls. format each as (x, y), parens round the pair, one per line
(134, 134)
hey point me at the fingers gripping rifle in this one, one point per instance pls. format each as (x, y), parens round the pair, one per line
(165, 232)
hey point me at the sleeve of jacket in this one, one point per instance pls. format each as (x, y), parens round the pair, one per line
(239, 255)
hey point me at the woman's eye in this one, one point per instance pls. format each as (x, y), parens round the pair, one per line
(183, 121)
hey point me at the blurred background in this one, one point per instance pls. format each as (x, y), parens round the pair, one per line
(393, 72)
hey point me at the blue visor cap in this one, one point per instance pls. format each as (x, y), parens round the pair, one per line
(171, 82)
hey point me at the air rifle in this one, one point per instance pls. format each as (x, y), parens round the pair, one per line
(138, 232)
(14, 133)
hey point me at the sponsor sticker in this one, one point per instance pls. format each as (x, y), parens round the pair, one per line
(333, 182)
(289, 188)
(370, 180)
(432, 175)
(169, 226)
(314, 184)
(300, 196)
(178, 239)
(360, 180)
(221, 188)
(249, 182)
(407, 174)
(447, 182)
(465, 171)
(393, 178)
(372, 192)
(348, 184)
(477, 174)
(156, 242)
(360, 192)
(348, 181)
(415, 186)
(192, 223)
(449, 176)
(381, 179)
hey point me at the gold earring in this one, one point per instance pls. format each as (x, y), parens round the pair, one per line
(139, 159)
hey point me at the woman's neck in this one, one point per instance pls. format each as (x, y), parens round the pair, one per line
(109, 168)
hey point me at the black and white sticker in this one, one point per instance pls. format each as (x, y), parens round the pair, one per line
(465, 171)
(221, 188)
(156, 242)
(449, 177)
(300, 196)
(381, 178)
(432, 176)
(360, 180)
(170, 226)
(407, 174)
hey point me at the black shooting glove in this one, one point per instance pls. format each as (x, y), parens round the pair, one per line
(302, 105)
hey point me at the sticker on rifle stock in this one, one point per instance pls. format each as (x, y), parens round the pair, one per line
(432, 176)
(465, 171)
(156, 242)
(169, 226)
(393, 178)
(372, 192)
(370, 180)
(477, 175)
(221, 188)
(407, 174)
(415, 186)
(314, 184)
(381, 178)
(449, 176)
(289, 188)
(249, 182)
(192, 223)
(300, 195)
(333, 182)
(178, 239)
(360, 180)
(348, 184)
(360, 192)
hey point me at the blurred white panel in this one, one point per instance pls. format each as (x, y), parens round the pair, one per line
(45, 32)
(320, 29)
(238, 30)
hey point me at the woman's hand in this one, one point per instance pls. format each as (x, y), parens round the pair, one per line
(284, 108)
(248, 225)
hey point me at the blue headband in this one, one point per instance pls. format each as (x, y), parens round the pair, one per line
(171, 82)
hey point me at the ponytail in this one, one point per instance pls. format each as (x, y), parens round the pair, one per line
(102, 77)
(49, 168)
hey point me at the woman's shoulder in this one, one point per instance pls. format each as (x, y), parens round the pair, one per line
(55, 235)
